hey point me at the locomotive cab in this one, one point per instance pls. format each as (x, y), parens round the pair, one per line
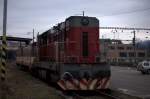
(82, 38)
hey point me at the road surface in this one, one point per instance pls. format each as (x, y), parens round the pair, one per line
(130, 81)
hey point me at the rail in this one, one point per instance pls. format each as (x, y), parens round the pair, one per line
(113, 94)
(70, 95)
(97, 95)
(108, 95)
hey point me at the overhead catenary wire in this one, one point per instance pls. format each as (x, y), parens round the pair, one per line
(125, 28)
(126, 12)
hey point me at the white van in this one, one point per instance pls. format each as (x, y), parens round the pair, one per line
(144, 67)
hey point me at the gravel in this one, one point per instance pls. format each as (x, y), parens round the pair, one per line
(21, 85)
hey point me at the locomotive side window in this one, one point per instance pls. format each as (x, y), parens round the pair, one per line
(45, 40)
(49, 38)
(85, 44)
(41, 41)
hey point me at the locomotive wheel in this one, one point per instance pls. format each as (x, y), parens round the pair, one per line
(39, 73)
(19, 66)
(34, 72)
(42, 74)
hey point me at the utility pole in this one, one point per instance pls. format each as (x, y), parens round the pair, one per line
(114, 35)
(4, 45)
(134, 47)
(83, 13)
(33, 35)
(3, 53)
(38, 44)
(33, 43)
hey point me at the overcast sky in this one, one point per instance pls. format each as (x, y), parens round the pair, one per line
(24, 15)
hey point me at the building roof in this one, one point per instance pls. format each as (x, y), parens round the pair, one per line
(26, 40)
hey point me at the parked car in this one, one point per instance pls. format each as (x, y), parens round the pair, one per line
(144, 67)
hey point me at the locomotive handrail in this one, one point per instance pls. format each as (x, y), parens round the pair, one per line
(66, 58)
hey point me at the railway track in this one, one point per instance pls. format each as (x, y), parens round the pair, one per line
(96, 95)
(108, 95)
(86, 95)
(70, 95)
(112, 94)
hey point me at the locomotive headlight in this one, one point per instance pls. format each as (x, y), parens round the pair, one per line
(84, 21)
(67, 76)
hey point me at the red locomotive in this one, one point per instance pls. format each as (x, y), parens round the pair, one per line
(69, 55)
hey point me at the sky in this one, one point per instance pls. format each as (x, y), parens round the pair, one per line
(24, 15)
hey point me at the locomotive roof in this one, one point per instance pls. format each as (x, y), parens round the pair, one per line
(69, 18)
(80, 17)
(44, 33)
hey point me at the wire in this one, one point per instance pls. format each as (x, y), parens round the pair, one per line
(128, 12)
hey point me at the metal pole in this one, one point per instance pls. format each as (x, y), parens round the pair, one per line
(83, 13)
(134, 48)
(33, 35)
(38, 44)
(33, 44)
(3, 60)
(3, 54)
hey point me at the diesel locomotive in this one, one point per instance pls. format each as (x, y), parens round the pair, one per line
(68, 54)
